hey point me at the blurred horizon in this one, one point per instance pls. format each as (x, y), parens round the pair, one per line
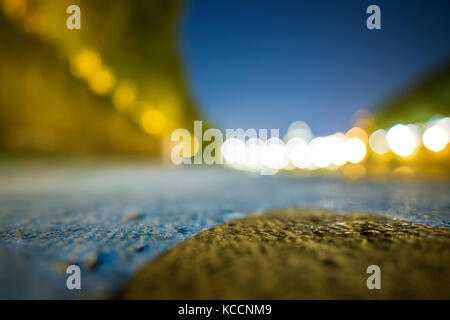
(136, 71)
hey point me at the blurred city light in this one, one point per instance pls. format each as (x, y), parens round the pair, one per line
(274, 155)
(378, 142)
(15, 9)
(299, 129)
(403, 172)
(125, 95)
(301, 156)
(357, 132)
(435, 138)
(355, 150)
(354, 171)
(401, 140)
(320, 155)
(86, 62)
(233, 151)
(337, 150)
(153, 121)
(253, 151)
(101, 81)
(417, 131)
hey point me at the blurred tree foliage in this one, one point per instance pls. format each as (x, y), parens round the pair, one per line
(429, 98)
(88, 91)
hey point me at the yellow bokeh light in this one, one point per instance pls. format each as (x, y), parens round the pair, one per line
(86, 63)
(403, 171)
(354, 171)
(435, 138)
(153, 121)
(125, 95)
(359, 133)
(15, 9)
(401, 140)
(35, 23)
(101, 81)
(190, 147)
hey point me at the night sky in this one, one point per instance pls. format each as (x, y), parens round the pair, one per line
(265, 64)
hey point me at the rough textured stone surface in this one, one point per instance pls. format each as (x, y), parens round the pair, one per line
(112, 217)
(301, 254)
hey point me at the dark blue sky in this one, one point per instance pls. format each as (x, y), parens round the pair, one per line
(265, 64)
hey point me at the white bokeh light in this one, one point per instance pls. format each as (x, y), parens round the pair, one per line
(320, 152)
(299, 129)
(253, 152)
(355, 150)
(401, 140)
(435, 138)
(233, 151)
(417, 131)
(274, 154)
(378, 142)
(336, 149)
(299, 153)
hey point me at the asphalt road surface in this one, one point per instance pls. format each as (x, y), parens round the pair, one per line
(111, 219)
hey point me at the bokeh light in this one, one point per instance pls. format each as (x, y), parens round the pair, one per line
(299, 153)
(253, 152)
(355, 150)
(417, 131)
(337, 151)
(125, 95)
(153, 121)
(445, 124)
(233, 151)
(35, 22)
(403, 172)
(85, 63)
(354, 171)
(378, 142)
(274, 154)
(300, 156)
(15, 9)
(401, 140)
(320, 152)
(435, 138)
(190, 146)
(357, 132)
(299, 129)
(102, 81)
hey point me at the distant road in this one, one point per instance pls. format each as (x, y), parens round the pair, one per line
(110, 219)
